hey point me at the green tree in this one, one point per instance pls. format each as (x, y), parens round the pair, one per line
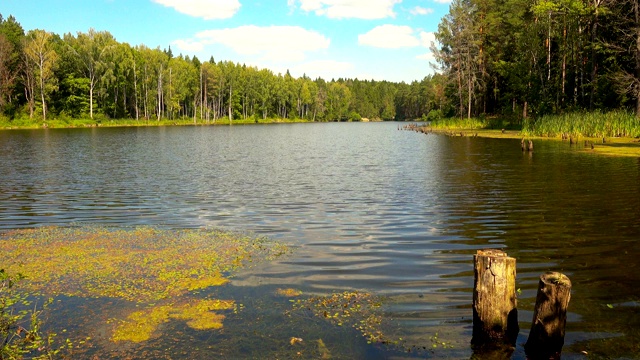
(11, 39)
(459, 55)
(41, 58)
(92, 49)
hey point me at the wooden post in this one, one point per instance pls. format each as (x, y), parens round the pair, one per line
(495, 317)
(549, 317)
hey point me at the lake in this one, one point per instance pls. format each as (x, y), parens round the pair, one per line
(366, 207)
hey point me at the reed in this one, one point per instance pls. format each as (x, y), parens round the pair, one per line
(585, 124)
(458, 124)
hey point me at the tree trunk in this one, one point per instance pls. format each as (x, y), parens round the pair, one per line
(469, 96)
(594, 60)
(549, 50)
(564, 60)
(546, 337)
(495, 317)
(230, 95)
(637, 53)
(159, 93)
(44, 104)
(91, 86)
(146, 94)
(460, 87)
(135, 90)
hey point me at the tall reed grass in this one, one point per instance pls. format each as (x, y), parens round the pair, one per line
(458, 124)
(616, 123)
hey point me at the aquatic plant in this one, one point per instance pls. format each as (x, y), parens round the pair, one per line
(20, 323)
(141, 325)
(145, 265)
(350, 308)
(288, 292)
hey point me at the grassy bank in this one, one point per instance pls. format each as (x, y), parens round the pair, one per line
(6, 123)
(618, 124)
(613, 133)
(590, 125)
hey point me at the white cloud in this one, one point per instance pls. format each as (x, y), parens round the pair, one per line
(389, 37)
(189, 45)
(426, 38)
(342, 9)
(206, 9)
(419, 10)
(326, 69)
(442, 1)
(428, 56)
(272, 43)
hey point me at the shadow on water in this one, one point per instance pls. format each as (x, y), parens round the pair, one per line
(560, 210)
(394, 213)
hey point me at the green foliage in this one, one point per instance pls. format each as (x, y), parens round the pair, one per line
(20, 323)
(434, 115)
(510, 58)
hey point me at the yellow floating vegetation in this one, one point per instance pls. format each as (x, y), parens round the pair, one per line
(142, 264)
(359, 310)
(288, 292)
(141, 325)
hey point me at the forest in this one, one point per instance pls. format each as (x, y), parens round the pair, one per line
(91, 75)
(541, 57)
(510, 59)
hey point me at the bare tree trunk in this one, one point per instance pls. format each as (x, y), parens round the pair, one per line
(92, 84)
(594, 60)
(159, 93)
(135, 90)
(146, 93)
(230, 95)
(469, 84)
(170, 96)
(636, 12)
(44, 104)
(564, 58)
(549, 50)
(460, 86)
(202, 94)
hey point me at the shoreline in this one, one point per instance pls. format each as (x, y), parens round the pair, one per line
(612, 146)
(87, 123)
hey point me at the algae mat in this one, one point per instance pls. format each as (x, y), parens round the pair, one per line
(161, 271)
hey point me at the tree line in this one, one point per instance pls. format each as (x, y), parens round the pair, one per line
(92, 75)
(508, 58)
(531, 58)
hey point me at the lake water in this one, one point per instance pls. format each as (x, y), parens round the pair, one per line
(366, 207)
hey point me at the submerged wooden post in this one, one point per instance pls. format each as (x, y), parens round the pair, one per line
(549, 317)
(495, 317)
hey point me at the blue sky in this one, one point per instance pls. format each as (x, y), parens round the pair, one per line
(365, 39)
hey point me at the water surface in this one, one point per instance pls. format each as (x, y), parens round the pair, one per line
(367, 207)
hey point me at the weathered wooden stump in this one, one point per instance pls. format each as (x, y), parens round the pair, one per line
(495, 317)
(549, 317)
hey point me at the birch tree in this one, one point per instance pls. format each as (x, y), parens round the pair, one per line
(92, 49)
(41, 58)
